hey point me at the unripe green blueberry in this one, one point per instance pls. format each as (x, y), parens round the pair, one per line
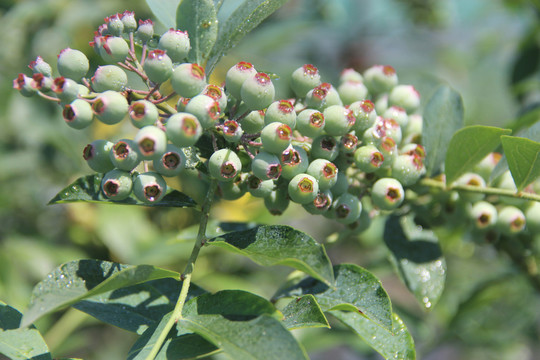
(44, 84)
(109, 77)
(277, 202)
(324, 171)
(387, 194)
(380, 78)
(408, 169)
(304, 79)
(176, 43)
(151, 141)
(404, 96)
(413, 131)
(232, 131)
(117, 184)
(97, 157)
(145, 31)
(348, 143)
(216, 93)
(365, 114)
(389, 151)
(351, 91)
(321, 204)
(182, 103)
(259, 188)
(294, 160)
(149, 187)
(347, 208)
(511, 220)
(124, 155)
(224, 165)
(115, 26)
(310, 123)
(322, 96)
(23, 84)
(39, 66)
(303, 188)
(345, 159)
(398, 114)
(66, 90)
(384, 127)
(483, 215)
(236, 76)
(281, 111)
(350, 75)
(128, 19)
(172, 162)
(72, 64)
(276, 137)
(143, 113)
(266, 166)
(112, 49)
(257, 91)
(110, 107)
(338, 120)
(324, 147)
(532, 217)
(368, 158)
(188, 79)
(205, 109)
(381, 103)
(78, 114)
(414, 149)
(342, 184)
(158, 66)
(232, 190)
(253, 122)
(183, 129)
(471, 179)
(486, 166)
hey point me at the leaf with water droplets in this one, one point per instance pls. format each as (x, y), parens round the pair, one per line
(20, 343)
(244, 325)
(199, 19)
(396, 344)
(88, 189)
(245, 18)
(304, 312)
(356, 290)
(279, 245)
(417, 256)
(78, 280)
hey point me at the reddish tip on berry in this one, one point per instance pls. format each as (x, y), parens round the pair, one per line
(367, 106)
(310, 69)
(243, 65)
(388, 70)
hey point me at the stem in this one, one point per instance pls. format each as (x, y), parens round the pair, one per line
(480, 189)
(186, 275)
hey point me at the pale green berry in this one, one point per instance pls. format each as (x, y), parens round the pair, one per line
(143, 113)
(323, 96)
(205, 109)
(232, 131)
(117, 184)
(151, 141)
(486, 166)
(276, 137)
(72, 64)
(124, 155)
(176, 43)
(321, 204)
(324, 171)
(351, 91)
(413, 132)
(277, 202)
(259, 188)
(398, 114)
(109, 77)
(483, 214)
(224, 165)
(471, 179)
(78, 114)
(65, 89)
(294, 160)
(188, 79)
(281, 111)
(23, 84)
(115, 26)
(310, 123)
(97, 157)
(511, 220)
(325, 147)
(44, 84)
(112, 49)
(303, 188)
(350, 75)
(380, 78)
(408, 169)
(236, 76)
(338, 120)
(405, 96)
(348, 143)
(158, 66)
(257, 91)
(342, 184)
(347, 208)
(365, 114)
(128, 19)
(532, 217)
(172, 162)
(253, 122)
(266, 166)
(145, 31)
(149, 187)
(232, 190)
(39, 66)
(387, 194)
(183, 129)
(304, 79)
(216, 93)
(110, 107)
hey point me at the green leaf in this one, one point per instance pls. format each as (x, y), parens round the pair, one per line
(523, 160)
(242, 324)
(395, 344)
(244, 19)
(304, 312)
(417, 257)
(165, 11)
(88, 189)
(137, 307)
(199, 19)
(356, 289)
(20, 343)
(443, 116)
(468, 147)
(177, 345)
(81, 279)
(280, 245)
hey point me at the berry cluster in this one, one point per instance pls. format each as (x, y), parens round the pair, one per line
(328, 148)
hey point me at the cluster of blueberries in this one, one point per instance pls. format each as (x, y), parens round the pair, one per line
(332, 149)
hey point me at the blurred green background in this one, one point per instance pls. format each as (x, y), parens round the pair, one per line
(486, 49)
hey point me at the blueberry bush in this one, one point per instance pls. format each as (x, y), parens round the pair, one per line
(366, 155)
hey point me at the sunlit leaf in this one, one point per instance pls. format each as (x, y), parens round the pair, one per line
(304, 312)
(523, 159)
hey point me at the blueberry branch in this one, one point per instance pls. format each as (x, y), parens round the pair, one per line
(186, 275)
